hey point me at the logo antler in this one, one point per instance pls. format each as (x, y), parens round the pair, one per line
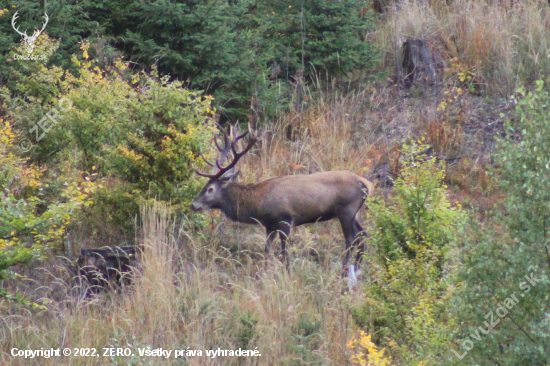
(29, 40)
(24, 35)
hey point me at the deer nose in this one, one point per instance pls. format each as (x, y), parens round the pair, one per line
(195, 207)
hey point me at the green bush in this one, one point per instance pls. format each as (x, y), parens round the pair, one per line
(30, 223)
(499, 254)
(139, 133)
(409, 280)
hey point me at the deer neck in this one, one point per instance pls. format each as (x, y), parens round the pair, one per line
(239, 202)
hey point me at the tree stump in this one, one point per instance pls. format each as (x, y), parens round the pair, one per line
(418, 62)
(105, 267)
(380, 6)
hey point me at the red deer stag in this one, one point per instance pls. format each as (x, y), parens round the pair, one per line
(284, 202)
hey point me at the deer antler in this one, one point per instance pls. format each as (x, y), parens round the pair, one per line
(17, 29)
(224, 151)
(229, 145)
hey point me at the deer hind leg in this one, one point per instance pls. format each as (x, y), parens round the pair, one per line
(348, 227)
(359, 243)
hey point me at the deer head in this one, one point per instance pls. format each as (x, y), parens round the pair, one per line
(212, 194)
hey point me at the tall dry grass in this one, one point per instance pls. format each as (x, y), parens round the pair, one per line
(505, 43)
(333, 130)
(196, 290)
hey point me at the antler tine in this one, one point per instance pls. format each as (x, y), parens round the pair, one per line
(236, 155)
(226, 140)
(206, 175)
(216, 143)
(252, 140)
(240, 137)
(206, 161)
(226, 148)
(210, 164)
(237, 138)
(224, 152)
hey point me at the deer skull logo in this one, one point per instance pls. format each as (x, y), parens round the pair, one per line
(29, 40)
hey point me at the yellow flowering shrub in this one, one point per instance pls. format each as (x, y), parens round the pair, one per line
(366, 353)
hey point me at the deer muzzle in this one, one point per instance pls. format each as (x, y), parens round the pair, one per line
(196, 206)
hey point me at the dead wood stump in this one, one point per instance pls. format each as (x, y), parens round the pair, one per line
(418, 62)
(106, 267)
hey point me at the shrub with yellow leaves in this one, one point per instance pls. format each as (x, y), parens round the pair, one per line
(366, 353)
(30, 225)
(143, 132)
(408, 284)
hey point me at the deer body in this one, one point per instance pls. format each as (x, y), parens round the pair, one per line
(281, 203)
(295, 199)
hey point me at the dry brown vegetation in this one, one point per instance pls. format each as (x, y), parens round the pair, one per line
(203, 291)
(213, 289)
(504, 43)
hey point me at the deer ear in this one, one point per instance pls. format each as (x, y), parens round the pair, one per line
(229, 178)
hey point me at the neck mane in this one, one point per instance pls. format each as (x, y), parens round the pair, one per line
(239, 202)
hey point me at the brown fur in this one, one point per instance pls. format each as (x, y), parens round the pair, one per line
(292, 200)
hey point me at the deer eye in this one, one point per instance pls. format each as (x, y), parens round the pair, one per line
(210, 190)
